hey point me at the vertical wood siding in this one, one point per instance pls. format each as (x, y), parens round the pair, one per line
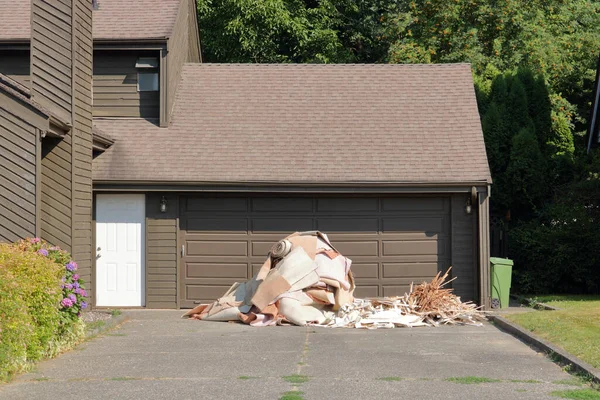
(161, 250)
(464, 255)
(56, 208)
(15, 65)
(51, 57)
(115, 86)
(17, 177)
(82, 140)
(484, 248)
(178, 53)
(194, 41)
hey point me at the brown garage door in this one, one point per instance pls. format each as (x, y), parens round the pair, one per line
(392, 241)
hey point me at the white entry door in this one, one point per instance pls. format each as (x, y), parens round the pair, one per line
(120, 231)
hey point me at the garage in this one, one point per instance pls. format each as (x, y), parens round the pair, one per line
(388, 160)
(392, 240)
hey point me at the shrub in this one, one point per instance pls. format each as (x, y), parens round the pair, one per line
(35, 319)
(559, 251)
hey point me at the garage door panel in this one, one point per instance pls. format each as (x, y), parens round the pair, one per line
(356, 248)
(215, 204)
(366, 291)
(348, 225)
(282, 225)
(413, 247)
(256, 267)
(418, 204)
(425, 225)
(288, 205)
(365, 270)
(346, 205)
(261, 249)
(216, 248)
(396, 290)
(413, 270)
(204, 293)
(218, 225)
(216, 270)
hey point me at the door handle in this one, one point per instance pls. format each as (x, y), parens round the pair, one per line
(183, 250)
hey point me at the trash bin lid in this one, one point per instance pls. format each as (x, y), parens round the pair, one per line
(501, 261)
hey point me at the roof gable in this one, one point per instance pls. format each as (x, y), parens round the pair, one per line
(296, 123)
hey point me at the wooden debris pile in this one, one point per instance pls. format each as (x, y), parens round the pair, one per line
(427, 304)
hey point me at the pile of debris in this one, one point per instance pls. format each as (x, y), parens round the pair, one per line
(427, 304)
(306, 281)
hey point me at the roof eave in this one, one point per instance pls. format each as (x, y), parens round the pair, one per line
(101, 144)
(161, 39)
(314, 184)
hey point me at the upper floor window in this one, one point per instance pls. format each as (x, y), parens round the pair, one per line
(148, 79)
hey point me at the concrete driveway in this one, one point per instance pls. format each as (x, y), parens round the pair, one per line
(156, 355)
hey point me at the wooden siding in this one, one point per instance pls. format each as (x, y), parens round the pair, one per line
(51, 56)
(115, 86)
(178, 48)
(56, 208)
(464, 254)
(82, 140)
(18, 163)
(161, 253)
(484, 247)
(15, 65)
(195, 55)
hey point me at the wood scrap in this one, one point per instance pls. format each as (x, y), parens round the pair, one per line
(427, 304)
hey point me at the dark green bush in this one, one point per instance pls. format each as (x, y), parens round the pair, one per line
(559, 250)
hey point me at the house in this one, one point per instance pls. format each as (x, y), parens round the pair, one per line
(46, 129)
(199, 168)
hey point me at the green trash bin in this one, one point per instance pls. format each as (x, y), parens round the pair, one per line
(501, 271)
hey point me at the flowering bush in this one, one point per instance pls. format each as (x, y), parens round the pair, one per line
(41, 296)
(73, 290)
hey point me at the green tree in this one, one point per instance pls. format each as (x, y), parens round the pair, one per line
(526, 173)
(301, 31)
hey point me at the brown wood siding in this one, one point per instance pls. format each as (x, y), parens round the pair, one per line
(194, 41)
(464, 255)
(115, 86)
(17, 177)
(392, 240)
(51, 57)
(56, 208)
(15, 64)
(161, 253)
(178, 48)
(82, 141)
(484, 248)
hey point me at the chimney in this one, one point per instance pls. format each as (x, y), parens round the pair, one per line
(55, 44)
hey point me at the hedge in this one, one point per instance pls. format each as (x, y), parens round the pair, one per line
(41, 297)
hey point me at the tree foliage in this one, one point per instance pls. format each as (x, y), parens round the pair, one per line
(275, 31)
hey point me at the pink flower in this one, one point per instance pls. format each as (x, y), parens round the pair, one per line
(66, 302)
(34, 240)
(75, 277)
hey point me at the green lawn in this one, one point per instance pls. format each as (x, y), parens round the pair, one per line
(575, 327)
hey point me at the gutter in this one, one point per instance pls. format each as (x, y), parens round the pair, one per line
(289, 187)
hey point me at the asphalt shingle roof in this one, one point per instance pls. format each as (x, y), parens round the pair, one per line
(299, 123)
(114, 19)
